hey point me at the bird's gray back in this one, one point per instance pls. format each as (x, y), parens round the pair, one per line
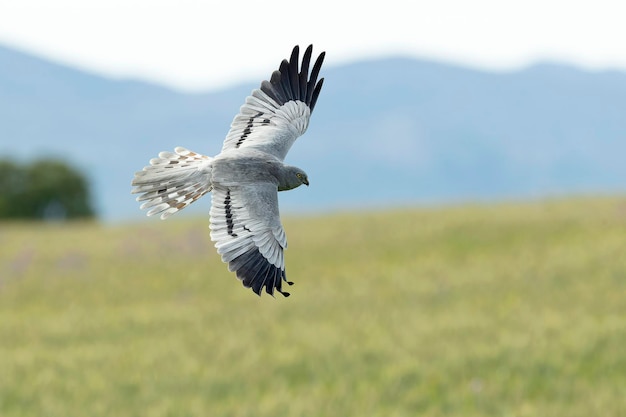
(245, 166)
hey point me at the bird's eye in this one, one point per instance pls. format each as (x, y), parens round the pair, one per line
(299, 175)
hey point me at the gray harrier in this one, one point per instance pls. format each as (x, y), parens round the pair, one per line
(245, 176)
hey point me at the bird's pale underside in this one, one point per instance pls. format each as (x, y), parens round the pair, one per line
(245, 177)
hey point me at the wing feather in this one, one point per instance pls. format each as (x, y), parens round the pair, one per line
(304, 71)
(248, 235)
(294, 78)
(313, 89)
(276, 114)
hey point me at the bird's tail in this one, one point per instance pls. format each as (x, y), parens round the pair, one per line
(173, 181)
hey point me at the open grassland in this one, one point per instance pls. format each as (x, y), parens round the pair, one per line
(499, 310)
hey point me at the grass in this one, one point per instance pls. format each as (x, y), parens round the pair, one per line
(494, 310)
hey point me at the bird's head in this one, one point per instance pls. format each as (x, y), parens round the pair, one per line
(291, 178)
(302, 177)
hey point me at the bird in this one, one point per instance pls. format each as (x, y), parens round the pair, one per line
(245, 177)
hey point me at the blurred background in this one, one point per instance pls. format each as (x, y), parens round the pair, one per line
(434, 103)
(460, 251)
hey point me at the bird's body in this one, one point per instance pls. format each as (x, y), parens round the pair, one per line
(231, 168)
(245, 176)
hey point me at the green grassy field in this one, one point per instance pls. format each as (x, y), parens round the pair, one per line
(495, 310)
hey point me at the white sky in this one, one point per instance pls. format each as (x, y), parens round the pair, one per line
(194, 44)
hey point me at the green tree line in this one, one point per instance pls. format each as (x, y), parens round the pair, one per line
(46, 189)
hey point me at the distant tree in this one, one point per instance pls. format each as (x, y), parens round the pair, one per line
(11, 176)
(45, 189)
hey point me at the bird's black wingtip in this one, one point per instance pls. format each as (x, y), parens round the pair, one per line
(257, 273)
(292, 80)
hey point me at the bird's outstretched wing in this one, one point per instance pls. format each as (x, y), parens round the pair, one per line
(246, 229)
(277, 113)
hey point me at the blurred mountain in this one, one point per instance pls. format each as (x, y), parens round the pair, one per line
(384, 132)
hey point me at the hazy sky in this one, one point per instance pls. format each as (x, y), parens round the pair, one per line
(195, 44)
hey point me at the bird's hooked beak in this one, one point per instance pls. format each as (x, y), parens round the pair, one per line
(305, 181)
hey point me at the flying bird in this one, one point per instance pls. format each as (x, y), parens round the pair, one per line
(245, 177)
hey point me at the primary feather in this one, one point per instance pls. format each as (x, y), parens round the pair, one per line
(245, 177)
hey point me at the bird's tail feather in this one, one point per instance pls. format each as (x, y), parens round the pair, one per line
(172, 181)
